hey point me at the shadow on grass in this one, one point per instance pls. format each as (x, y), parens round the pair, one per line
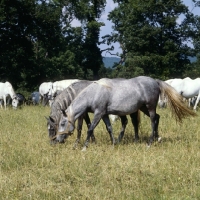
(144, 138)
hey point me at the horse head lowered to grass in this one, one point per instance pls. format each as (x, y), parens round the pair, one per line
(123, 97)
(6, 90)
(61, 102)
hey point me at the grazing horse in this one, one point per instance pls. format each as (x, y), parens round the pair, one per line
(187, 87)
(34, 98)
(122, 97)
(61, 85)
(6, 90)
(45, 91)
(62, 101)
(53, 98)
(20, 100)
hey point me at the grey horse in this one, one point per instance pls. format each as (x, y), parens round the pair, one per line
(61, 102)
(122, 97)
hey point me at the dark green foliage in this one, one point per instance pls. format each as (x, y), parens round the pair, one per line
(151, 35)
(38, 42)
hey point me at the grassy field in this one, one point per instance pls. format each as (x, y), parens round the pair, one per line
(31, 168)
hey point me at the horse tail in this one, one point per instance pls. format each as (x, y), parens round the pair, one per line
(175, 101)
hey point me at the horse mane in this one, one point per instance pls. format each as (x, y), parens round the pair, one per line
(105, 82)
(70, 115)
(62, 101)
(12, 90)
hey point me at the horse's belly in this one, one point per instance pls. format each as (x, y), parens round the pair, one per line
(188, 92)
(124, 109)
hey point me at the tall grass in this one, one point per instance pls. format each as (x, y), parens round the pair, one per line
(31, 168)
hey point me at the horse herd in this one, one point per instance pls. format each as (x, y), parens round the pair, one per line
(8, 96)
(119, 97)
(73, 99)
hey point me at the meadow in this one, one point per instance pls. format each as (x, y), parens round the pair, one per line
(31, 168)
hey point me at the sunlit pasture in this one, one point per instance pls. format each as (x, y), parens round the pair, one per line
(31, 168)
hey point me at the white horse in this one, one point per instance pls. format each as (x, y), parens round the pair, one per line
(61, 85)
(6, 90)
(187, 87)
(114, 118)
(45, 90)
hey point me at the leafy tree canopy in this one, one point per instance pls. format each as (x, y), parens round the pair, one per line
(151, 34)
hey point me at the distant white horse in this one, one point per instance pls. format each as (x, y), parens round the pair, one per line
(45, 90)
(61, 85)
(7, 90)
(187, 87)
(114, 117)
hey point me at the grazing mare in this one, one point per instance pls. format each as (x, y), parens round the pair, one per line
(34, 98)
(20, 100)
(62, 101)
(122, 97)
(187, 87)
(6, 90)
(45, 91)
(61, 85)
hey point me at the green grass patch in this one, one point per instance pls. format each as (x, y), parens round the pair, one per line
(31, 168)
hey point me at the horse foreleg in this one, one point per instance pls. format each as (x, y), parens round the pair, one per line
(88, 122)
(124, 122)
(109, 128)
(4, 99)
(135, 121)
(197, 101)
(96, 119)
(79, 129)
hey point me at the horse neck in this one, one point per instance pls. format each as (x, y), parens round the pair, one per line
(56, 117)
(77, 108)
(12, 94)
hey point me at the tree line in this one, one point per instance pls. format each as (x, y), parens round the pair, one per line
(38, 42)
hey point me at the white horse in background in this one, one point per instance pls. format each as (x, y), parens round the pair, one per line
(114, 118)
(45, 90)
(61, 85)
(6, 91)
(187, 87)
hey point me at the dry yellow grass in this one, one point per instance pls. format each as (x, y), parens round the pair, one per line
(30, 168)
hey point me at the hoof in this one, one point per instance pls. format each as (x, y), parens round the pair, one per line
(136, 140)
(148, 146)
(159, 139)
(74, 147)
(84, 148)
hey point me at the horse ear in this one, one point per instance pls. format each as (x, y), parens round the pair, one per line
(64, 113)
(47, 118)
(51, 119)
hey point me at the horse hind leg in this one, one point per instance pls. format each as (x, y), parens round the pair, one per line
(135, 121)
(197, 101)
(157, 119)
(109, 128)
(154, 117)
(124, 122)
(154, 124)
